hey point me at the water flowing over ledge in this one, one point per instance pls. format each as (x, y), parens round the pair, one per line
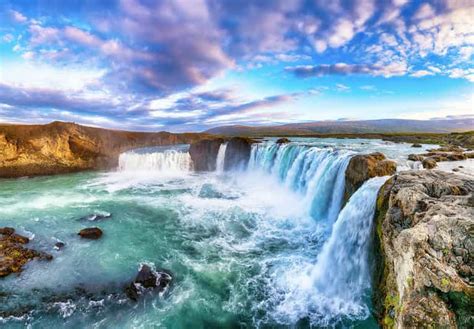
(163, 160)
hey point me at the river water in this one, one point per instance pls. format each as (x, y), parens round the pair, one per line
(267, 247)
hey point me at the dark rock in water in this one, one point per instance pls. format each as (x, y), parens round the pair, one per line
(237, 154)
(429, 163)
(96, 217)
(417, 145)
(59, 245)
(455, 169)
(7, 230)
(92, 233)
(283, 140)
(13, 255)
(204, 154)
(147, 278)
(415, 157)
(365, 166)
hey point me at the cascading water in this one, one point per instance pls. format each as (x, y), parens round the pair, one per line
(337, 287)
(220, 157)
(318, 174)
(158, 160)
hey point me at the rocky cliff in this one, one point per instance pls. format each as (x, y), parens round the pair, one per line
(364, 166)
(60, 147)
(204, 153)
(425, 248)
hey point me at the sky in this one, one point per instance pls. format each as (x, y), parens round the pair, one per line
(190, 65)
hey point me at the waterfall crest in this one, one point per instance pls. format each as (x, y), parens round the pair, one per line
(318, 174)
(170, 160)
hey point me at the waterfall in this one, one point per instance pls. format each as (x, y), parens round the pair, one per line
(343, 270)
(220, 157)
(318, 174)
(336, 288)
(158, 160)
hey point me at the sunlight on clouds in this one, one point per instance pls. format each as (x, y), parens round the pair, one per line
(37, 75)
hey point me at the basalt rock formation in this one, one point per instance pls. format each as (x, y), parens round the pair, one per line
(147, 278)
(364, 166)
(60, 147)
(237, 154)
(204, 153)
(444, 153)
(425, 247)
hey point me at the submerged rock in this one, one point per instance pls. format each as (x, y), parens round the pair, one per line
(237, 154)
(147, 278)
(365, 166)
(13, 254)
(425, 248)
(92, 233)
(59, 245)
(204, 154)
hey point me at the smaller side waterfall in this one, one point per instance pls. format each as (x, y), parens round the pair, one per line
(220, 157)
(342, 272)
(158, 161)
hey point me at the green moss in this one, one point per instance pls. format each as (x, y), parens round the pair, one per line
(410, 281)
(445, 282)
(462, 305)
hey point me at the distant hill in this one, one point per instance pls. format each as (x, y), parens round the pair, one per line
(350, 127)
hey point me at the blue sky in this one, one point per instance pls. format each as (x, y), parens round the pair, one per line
(189, 65)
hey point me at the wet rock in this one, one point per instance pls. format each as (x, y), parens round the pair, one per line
(423, 222)
(283, 141)
(429, 163)
(13, 254)
(204, 154)
(59, 245)
(455, 169)
(237, 154)
(147, 278)
(7, 230)
(92, 233)
(415, 157)
(365, 166)
(416, 145)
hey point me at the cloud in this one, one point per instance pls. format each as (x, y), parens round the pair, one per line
(343, 88)
(347, 69)
(18, 17)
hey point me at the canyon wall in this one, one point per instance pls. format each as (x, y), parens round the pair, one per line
(60, 147)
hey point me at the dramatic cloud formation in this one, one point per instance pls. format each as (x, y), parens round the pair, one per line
(186, 65)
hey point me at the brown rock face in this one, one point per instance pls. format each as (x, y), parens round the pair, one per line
(429, 163)
(92, 233)
(204, 154)
(60, 147)
(425, 244)
(237, 154)
(363, 167)
(282, 140)
(13, 255)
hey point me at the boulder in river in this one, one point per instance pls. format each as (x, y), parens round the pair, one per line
(416, 145)
(147, 278)
(92, 233)
(204, 153)
(424, 246)
(283, 140)
(364, 166)
(13, 254)
(429, 163)
(415, 157)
